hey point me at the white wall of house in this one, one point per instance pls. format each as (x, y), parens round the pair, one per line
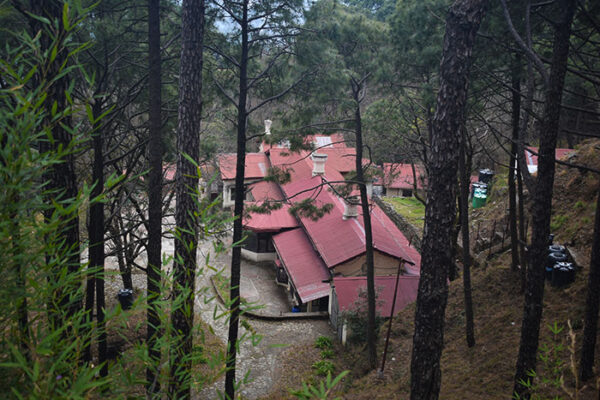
(258, 257)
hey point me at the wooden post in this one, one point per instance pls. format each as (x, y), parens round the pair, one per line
(387, 338)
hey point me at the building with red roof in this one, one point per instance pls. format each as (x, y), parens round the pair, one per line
(311, 253)
(349, 295)
(399, 179)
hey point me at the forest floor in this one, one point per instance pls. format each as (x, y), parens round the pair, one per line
(486, 370)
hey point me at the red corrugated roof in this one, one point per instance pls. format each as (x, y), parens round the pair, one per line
(263, 190)
(400, 176)
(532, 159)
(337, 240)
(257, 165)
(303, 265)
(275, 221)
(348, 288)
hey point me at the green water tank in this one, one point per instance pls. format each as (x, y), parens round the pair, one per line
(480, 195)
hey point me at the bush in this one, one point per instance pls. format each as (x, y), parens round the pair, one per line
(327, 354)
(324, 343)
(356, 319)
(323, 367)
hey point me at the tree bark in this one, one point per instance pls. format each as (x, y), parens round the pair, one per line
(542, 200)
(592, 303)
(462, 23)
(464, 216)
(512, 192)
(357, 88)
(236, 257)
(187, 181)
(61, 179)
(96, 235)
(154, 249)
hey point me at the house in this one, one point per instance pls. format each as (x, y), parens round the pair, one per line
(309, 253)
(531, 156)
(398, 179)
(347, 296)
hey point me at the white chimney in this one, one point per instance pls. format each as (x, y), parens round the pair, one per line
(369, 185)
(318, 163)
(268, 123)
(351, 207)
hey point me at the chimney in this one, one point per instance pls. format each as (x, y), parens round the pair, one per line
(351, 207)
(318, 163)
(268, 123)
(369, 185)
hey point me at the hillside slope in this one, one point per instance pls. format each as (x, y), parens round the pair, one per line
(486, 370)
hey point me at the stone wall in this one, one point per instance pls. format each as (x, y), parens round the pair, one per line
(411, 233)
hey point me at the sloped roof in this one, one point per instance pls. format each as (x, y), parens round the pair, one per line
(274, 221)
(337, 240)
(264, 190)
(400, 176)
(257, 165)
(303, 265)
(348, 288)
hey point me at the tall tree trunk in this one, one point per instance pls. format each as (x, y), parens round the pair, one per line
(357, 89)
(61, 179)
(512, 192)
(588, 348)
(96, 235)
(522, 232)
(464, 216)
(154, 249)
(542, 200)
(462, 24)
(236, 257)
(187, 181)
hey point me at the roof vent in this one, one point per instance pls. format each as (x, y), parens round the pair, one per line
(318, 163)
(268, 123)
(351, 207)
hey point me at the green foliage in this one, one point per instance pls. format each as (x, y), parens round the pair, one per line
(45, 331)
(307, 208)
(356, 318)
(550, 383)
(324, 343)
(557, 222)
(327, 354)
(323, 367)
(321, 392)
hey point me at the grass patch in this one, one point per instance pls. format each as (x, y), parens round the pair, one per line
(410, 208)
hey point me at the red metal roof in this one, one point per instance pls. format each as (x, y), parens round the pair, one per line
(263, 190)
(337, 240)
(257, 165)
(400, 176)
(348, 288)
(303, 265)
(275, 221)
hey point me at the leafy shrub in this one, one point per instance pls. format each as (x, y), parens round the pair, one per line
(324, 343)
(321, 392)
(357, 316)
(327, 353)
(323, 367)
